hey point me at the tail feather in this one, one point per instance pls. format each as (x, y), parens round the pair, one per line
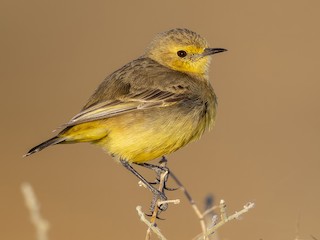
(38, 148)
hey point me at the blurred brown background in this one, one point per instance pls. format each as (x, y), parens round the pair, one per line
(265, 146)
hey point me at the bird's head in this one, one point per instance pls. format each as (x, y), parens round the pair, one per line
(182, 50)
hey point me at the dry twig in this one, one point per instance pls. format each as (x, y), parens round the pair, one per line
(193, 204)
(224, 218)
(150, 225)
(41, 225)
(156, 211)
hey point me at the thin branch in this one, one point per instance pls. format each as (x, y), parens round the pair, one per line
(206, 231)
(209, 210)
(223, 213)
(158, 205)
(156, 211)
(41, 225)
(298, 228)
(150, 225)
(193, 204)
(174, 201)
(225, 218)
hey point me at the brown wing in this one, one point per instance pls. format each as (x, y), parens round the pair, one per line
(141, 84)
(131, 102)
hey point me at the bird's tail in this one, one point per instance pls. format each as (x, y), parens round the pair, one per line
(51, 141)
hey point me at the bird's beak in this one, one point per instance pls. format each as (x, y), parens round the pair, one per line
(211, 51)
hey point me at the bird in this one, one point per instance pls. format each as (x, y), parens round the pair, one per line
(150, 107)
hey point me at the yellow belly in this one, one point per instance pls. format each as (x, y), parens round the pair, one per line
(140, 136)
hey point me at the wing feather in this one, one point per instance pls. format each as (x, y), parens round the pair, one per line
(128, 103)
(135, 87)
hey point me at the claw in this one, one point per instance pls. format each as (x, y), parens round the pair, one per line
(162, 197)
(157, 195)
(163, 207)
(153, 183)
(171, 189)
(150, 215)
(157, 181)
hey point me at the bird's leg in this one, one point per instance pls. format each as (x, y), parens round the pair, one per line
(159, 170)
(156, 193)
(157, 205)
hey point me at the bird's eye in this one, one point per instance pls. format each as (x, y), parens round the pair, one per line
(182, 53)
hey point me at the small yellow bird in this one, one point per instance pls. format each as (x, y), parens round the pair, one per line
(152, 106)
